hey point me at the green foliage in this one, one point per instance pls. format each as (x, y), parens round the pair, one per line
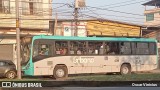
(132, 77)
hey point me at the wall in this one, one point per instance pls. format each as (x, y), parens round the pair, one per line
(27, 21)
(91, 27)
(112, 29)
(67, 28)
(156, 20)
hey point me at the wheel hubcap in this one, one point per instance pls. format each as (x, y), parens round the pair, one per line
(11, 75)
(60, 73)
(125, 70)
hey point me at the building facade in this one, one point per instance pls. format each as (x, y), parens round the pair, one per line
(34, 16)
(95, 28)
(152, 19)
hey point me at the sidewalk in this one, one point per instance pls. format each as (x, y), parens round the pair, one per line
(155, 71)
(151, 71)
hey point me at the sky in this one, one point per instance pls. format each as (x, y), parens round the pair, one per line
(119, 10)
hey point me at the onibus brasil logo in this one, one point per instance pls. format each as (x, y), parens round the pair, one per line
(20, 84)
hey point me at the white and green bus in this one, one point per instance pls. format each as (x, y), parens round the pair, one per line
(60, 56)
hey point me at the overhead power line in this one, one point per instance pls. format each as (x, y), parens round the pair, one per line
(117, 3)
(121, 20)
(95, 13)
(60, 6)
(124, 4)
(106, 19)
(114, 11)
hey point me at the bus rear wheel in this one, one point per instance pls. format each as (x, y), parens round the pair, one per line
(125, 69)
(60, 72)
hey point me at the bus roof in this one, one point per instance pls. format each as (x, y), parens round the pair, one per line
(94, 38)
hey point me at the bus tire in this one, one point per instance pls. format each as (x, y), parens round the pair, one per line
(60, 71)
(125, 69)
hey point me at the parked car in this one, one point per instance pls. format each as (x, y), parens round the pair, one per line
(7, 69)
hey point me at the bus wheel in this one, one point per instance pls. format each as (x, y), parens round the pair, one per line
(60, 71)
(125, 69)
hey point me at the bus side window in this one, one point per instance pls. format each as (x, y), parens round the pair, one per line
(58, 51)
(78, 47)
(133, 48)
(107, 48)
(142, 48)
(101, 49)
(79, 52)
(152, 48)
(125, 48)
(72, 48)
(61, 48)
(113, 48)
(122, 48)
(95, 48)
(92, 48)
(63, 51)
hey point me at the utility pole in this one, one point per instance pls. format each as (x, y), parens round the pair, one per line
(78, 4)
(18, 40)
(76, 21)
(55, 24)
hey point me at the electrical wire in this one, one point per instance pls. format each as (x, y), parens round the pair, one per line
(108, 19)
(112, 15)
(60, 6)
(114, 11)
(122, 5)
(98, 14)
(95, 13)
(117, 3)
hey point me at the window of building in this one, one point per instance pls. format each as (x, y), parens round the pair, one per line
(32, 7)
(149, 17)
(4, 6)
(78, 47)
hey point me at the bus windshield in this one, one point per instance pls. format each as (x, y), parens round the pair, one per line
(25, 49)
